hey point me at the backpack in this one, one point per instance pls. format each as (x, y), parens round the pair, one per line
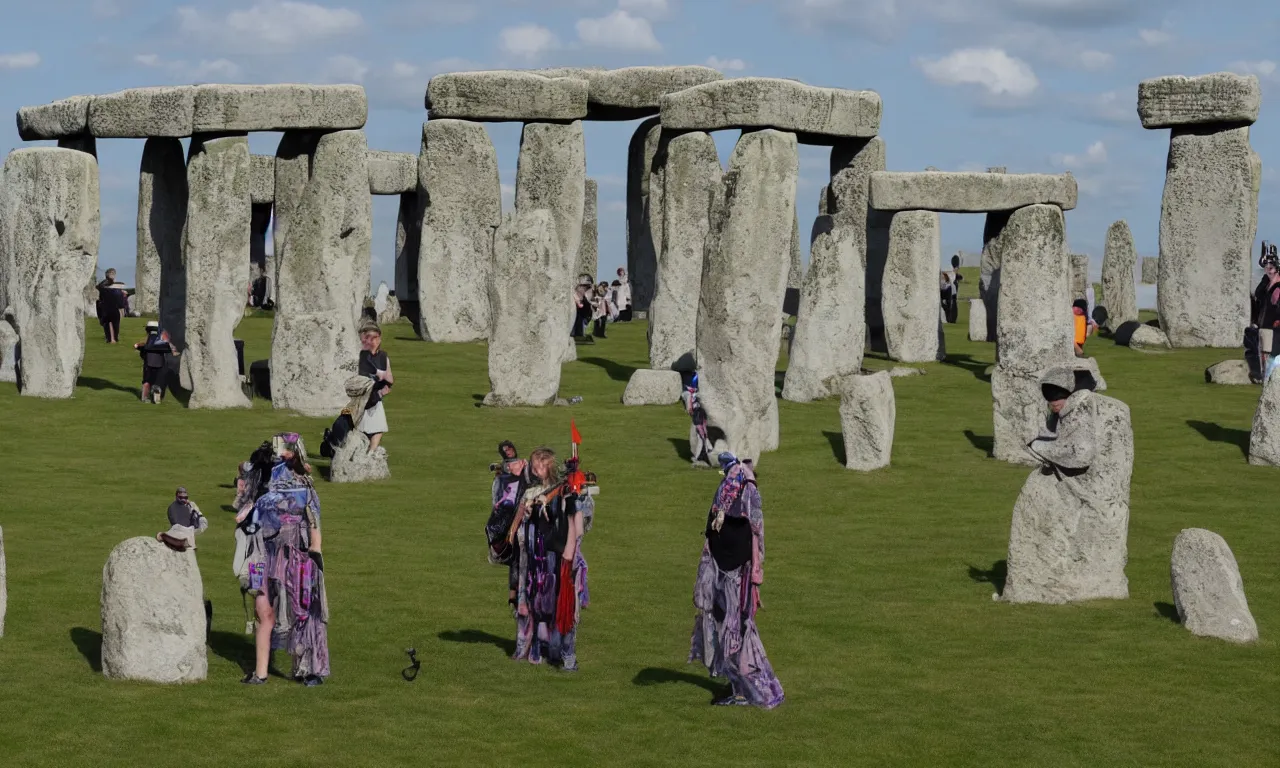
(336, 435)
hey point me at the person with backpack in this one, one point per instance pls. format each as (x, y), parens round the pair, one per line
(155, 350)
(1084, 326)
(726, 592)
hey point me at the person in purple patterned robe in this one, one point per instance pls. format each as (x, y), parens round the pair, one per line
(726, 592)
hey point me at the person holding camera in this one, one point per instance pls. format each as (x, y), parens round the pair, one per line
(185, 521)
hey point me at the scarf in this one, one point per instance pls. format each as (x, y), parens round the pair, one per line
(358, 389)
(736, 477)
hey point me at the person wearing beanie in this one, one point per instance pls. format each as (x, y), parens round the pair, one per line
(1068, 441)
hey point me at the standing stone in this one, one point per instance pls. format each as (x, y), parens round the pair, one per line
(1033, 329)
(989, 270)
(831, 328)
(692, 179)
(293, 170)
(324, 279)
(528, 298)
(909, 287)
(743, 287)
(153, 621)
(1079, 276)
(1264, 440)
(642, 258)
(353, 462)
(878, 225)
(847, 200)
(458, 176)
(1207, 589)
(51, 228)
(1206, 237)
(215, 253)
(588, 247)
(8, 351)
(162, 210)
(795, 268)
(408, 252)
(4, 587)
(977, 320)
(1150, 270)
(655, 201)
(868, 411)
(1119, 294)
(1069, 537)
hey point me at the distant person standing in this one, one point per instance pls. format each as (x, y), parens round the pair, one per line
(155, 351)
(954, 279)
(601, 309)
(111, 306)
(623, 291)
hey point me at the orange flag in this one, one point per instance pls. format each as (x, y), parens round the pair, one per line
(575, 437)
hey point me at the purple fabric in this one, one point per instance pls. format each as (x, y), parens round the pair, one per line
(297, 593)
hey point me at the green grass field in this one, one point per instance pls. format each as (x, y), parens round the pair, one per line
(878, 614)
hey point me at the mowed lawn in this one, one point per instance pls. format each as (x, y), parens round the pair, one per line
(878, 615)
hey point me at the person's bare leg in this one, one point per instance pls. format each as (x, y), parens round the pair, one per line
(262, 636)
(374, 442)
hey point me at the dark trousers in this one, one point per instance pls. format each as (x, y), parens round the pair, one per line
(111, 328)
(598, 328)
(624, 316)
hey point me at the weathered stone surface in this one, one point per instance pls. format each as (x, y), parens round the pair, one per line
(909, 288)
(323, 280)
(528, 295)
(262, 179)
(1150, 270)
(831, 328)
(1069, 537)
(989, 268)
(153, 622)
(162, 211)
(905, 372)
(279, 107)
(8, 352)
(1264, 440)
(1222, 97)
(878, 225)
(1079, 275)
(1148, 337)
(1090, 364)
(1033, 328)
(820, 115)
(1228, 372)
(743, 287)
(293, 170)
(795, 265)
(458, 169)
(588, 246)
(977, 320)
(143, 113)
(691, 180)
(1206, 237)
(505, 95)
(552, 174)
(868, 412)
(56, 120)
(969, 192)
(215, 251)
(392, 173)
(391, 314)
(354, 463)
(632, 92)
(4, 587)
(1119, 259)
(51, 229)
(1207, 589)
(408, 253)
(852, 163)
(650, 387)
(642, 256)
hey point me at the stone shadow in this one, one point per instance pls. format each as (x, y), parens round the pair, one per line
(1168, 611)
(837, 445)
(235, 648)
(477, 637)
(617, 371)
(1216, 433)
(89, 643)
(99, 385)
(995, 576)
(971, 364)
(984, 443)
(681, 444)
(659, 675)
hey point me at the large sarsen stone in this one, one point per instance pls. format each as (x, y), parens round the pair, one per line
(831, 328)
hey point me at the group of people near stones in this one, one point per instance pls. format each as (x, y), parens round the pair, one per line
(597, 305)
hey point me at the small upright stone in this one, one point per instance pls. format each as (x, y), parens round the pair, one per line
(353, 462)
(1264, 440)
(650, 387)
(8, 351)
(909, 294)
(1079, 275)
(4, 587)
(1207, 589)
(830, 330)
(868, 411)
(1118, 261)
(642, 256)
(977, 320)
(1150, 270)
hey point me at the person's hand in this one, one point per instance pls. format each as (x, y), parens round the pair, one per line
(243, 514)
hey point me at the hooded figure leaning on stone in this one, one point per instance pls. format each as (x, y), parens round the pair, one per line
(1068, 442)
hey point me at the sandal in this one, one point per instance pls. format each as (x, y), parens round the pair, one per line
(731, 701)
(253, 679)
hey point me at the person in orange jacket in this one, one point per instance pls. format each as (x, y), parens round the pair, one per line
(1084, 325)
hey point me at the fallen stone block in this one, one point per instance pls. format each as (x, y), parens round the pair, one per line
(353, 462)
(868, 412)
(1207, 589)
(1176, 100)
(153, 619)
(144, 113)
(278, 107)
(506, 95)
(1148, 337)
(392, 173)
(905, 372)
(56, 120)
(1228, 372)
(650, 387)
(816, 115)
(948, 192)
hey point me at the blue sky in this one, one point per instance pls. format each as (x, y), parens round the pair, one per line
(1034, 85)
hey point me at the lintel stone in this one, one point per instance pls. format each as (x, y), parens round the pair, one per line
(141, 113)
(816, 115)
(632, 92)
(279, 107)
(948, 192)
(506, 96)
(1222, 97)
(392, 173)
(56, 120)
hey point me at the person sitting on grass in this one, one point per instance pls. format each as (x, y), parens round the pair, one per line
(154, 350)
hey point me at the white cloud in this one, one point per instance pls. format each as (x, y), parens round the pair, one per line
(1095, 60)
(996, 71)
(655, 10)
(277, 24)
(1155, 37)
(1265, 69)
(24, 60)
(726, 65)
(527, 41)
(1096, 154)
(619, 31)
(346, 69)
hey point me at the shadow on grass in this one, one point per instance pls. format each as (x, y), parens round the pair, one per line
(967, 362)
(99, 385)
(659, 675)
(984, 443)
(89, 643)
(477, 637)
(681, 444)
(1168, 611)
(1216, 433)
(235, 648)
(995, 576)
(837, 445)
(617, 371)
